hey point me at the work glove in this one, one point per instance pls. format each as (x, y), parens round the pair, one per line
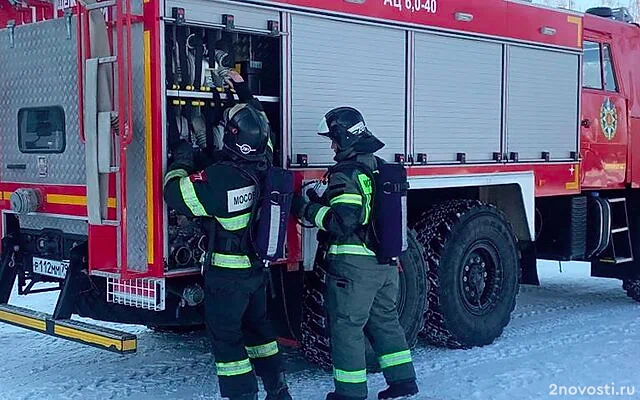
(316, 192)
(313, 196)
(299, 206)
(183, 156)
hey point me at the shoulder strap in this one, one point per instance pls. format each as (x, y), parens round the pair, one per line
(344, 166)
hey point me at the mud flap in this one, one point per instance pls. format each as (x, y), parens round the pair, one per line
(529, 264)
(8, 271)
(72, 283)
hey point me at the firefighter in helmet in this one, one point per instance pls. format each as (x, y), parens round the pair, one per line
(244, 342)
(361, 291)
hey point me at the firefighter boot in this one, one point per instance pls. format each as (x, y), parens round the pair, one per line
(399, 390)
(276, 387)
(336, 396)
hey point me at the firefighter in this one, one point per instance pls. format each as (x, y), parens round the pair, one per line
(244, 342)
(361, 292)
(212, 153)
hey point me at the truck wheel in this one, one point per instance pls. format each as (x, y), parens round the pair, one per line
(632, 287)
(473, 273)
(315, 340)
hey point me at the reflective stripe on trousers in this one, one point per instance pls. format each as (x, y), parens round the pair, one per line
(234, 368)
(263, 350)
(395, 359)
(342, 376)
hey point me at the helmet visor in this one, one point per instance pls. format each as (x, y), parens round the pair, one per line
(323, 128)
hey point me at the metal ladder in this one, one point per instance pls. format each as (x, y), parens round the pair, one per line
(104, 130)
(619, 250)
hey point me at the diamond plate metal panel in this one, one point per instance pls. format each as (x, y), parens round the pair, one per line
(136, 171)
(136, 6)
(40, 71)
(37, 222)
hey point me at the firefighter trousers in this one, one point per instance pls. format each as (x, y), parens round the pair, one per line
(243, 339)
(361, 300)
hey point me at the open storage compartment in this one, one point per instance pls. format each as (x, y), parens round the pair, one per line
(196, 96)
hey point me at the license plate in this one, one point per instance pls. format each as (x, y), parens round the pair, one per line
(53, 268)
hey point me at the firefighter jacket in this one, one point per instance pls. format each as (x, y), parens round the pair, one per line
(344, 211)
(223, 194)
(219, 192)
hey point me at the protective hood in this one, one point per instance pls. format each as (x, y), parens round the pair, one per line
(367, 144)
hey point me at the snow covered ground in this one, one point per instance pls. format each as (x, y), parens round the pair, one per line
(574, 332)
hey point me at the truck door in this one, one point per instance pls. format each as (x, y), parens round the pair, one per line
(604, 132)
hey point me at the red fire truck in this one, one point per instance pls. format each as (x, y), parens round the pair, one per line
(14, 12)
(516, 124)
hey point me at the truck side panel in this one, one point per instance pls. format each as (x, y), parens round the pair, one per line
(364, 68)
(542, 103)
(245, 17)
(24, 13)
(40, 145)
(457, 104)
(37, 222)
(39, 73)
(516, 19)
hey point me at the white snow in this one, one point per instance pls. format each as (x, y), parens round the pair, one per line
(573, 331)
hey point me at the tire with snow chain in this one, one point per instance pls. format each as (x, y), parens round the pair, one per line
(412, 301)
(474, 269)
(632, 287)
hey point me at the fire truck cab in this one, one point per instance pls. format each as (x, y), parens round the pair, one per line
(515, 122)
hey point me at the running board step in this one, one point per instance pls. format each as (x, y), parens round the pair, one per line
(617, 260)
(92, 335)
(620, 248)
